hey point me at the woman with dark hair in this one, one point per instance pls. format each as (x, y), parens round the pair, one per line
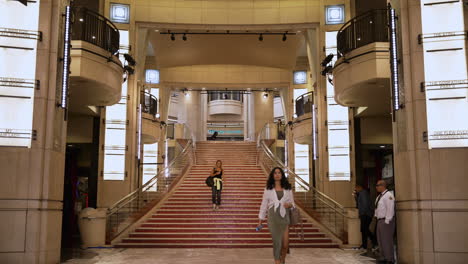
(277, 200)
(217, 175)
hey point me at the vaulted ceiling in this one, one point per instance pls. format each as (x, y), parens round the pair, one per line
(226, 49)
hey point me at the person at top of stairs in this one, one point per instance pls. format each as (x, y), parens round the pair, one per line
(217, 175)
(277, 200)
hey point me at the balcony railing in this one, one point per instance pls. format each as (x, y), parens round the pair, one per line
(364, 29)
(94, 28)
(225, 95)
(149, 103)
(304, 104)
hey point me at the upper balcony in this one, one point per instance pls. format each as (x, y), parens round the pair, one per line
(303, 123)
(96, 71)
(225, 103)
(361, 74)
(150, 125)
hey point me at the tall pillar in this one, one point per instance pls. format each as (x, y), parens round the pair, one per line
(431, 184)
(32, 177)
(263, 110)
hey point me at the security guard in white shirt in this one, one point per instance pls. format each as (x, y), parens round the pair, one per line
(385, 214)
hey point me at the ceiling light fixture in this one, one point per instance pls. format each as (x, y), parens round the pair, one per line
(172, 37)
(284, 36)
(265, 95)
(184, 37)
(260, 38)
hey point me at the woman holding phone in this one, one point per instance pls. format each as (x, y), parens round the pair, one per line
(277, 200)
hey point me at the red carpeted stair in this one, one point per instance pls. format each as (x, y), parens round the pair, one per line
(187, 220)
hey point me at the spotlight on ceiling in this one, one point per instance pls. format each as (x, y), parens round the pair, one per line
(172, 37)
(285, 37)
(260, 38)
(131, 61)
(327, 70)
(327, 60)
(184, 37)
(265, 95)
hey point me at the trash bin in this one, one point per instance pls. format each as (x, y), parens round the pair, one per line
(92, 224)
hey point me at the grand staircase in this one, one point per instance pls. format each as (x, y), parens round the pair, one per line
(186, 219)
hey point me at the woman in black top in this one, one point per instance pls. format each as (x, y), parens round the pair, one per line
(217, 175)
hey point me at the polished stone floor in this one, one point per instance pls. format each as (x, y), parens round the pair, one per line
(212, 256)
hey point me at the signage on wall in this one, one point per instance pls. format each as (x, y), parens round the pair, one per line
(19, 38)
(445, 70)
(226, 132)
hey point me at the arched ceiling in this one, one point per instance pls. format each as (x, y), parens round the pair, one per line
(226, 49)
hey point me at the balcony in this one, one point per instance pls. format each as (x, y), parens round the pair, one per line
(96, 71)
(225, 103)
(150, 125)
(303, 123)
(361, 74)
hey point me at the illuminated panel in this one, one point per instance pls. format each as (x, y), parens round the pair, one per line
(18, 51)
(115, 147)
(339, 163)
(445, 69)
(301, 163)
(150, 158)
(152, 76)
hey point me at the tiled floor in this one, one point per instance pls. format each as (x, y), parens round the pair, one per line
(212, 256)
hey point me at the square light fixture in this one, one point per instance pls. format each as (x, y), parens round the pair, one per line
(300, 77)
(334, 14)
(152, 76)
(120, 13)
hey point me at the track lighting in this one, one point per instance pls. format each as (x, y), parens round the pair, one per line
(184, 37)
(172, 37)
(260, 38)
(265, 95)
(285, 37)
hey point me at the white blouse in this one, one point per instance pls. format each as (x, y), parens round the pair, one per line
(270, 199)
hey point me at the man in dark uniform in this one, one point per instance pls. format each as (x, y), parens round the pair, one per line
(364, 206)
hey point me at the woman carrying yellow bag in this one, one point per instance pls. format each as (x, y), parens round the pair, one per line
(217, 175)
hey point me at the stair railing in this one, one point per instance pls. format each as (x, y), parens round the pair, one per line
(124, 213)
(329, 213)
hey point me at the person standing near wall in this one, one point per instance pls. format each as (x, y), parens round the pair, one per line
(385, 214)
(363, 203)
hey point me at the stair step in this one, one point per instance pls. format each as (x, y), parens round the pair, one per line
(215, 235)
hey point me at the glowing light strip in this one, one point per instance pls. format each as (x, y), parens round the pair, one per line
(394, 60)
(66, 59)
(139, 131)
(314, 133)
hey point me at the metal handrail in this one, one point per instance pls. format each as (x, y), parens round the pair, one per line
(332, 215)
(149, 193)
(361, 30)
(96, 29)
(301, 106)
(292, 173)
(149, 103)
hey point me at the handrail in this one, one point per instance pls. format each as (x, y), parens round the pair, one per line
(230, 95)
(303, 106)
(96, 29)
(149, 103)
(361, 30)
(122, 214)
(304, 95)
(328, 212)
